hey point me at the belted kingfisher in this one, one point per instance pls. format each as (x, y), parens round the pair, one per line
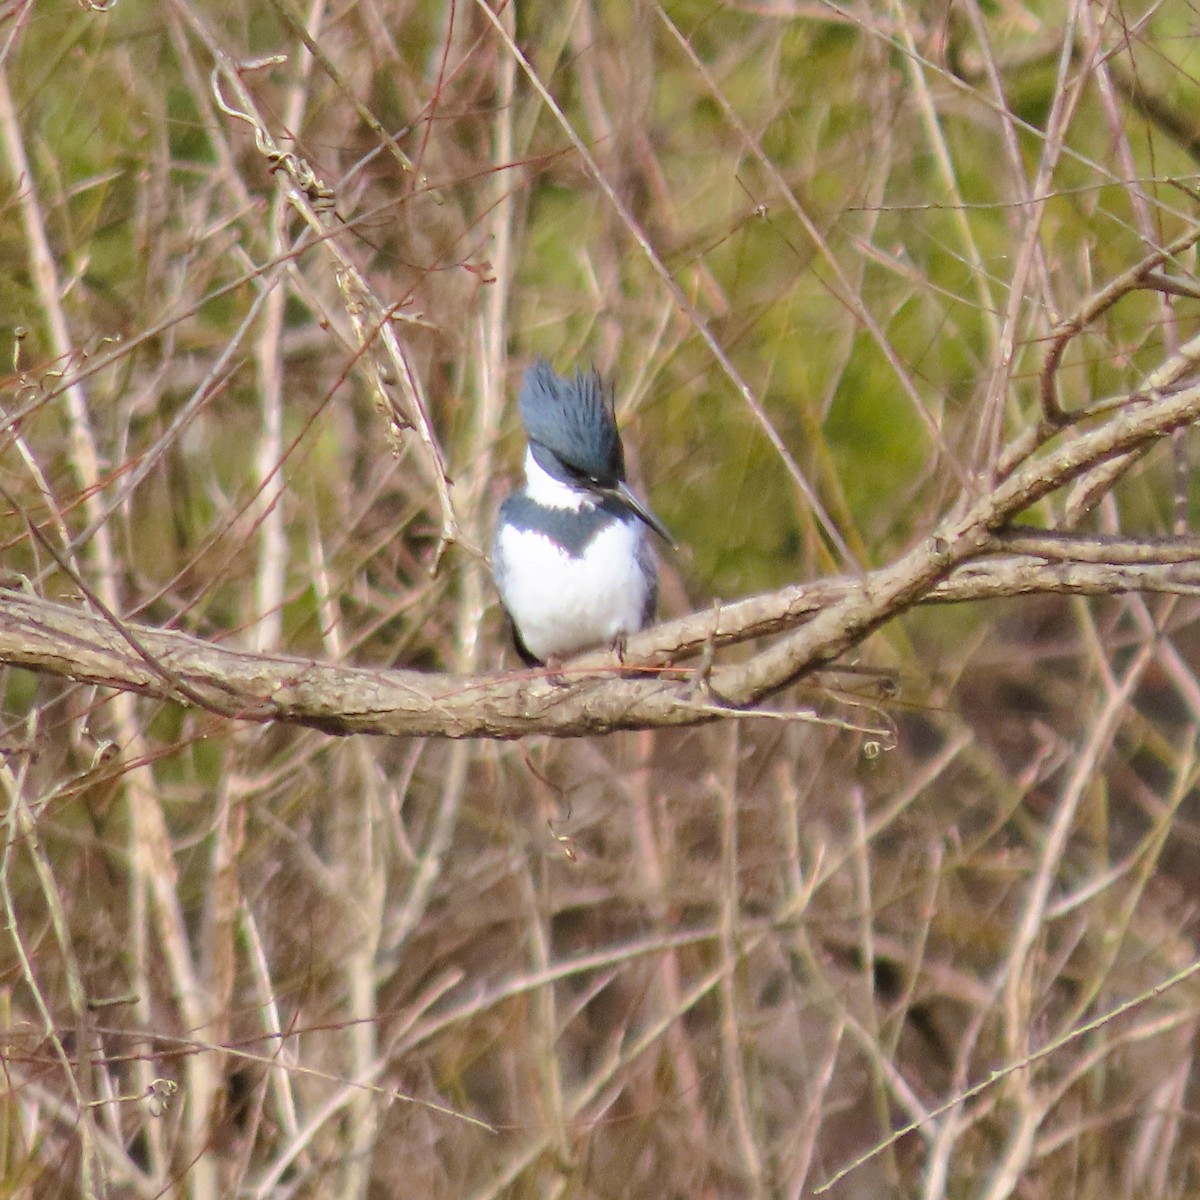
(571, 557)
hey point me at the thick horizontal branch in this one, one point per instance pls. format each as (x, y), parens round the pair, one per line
(597, 697)
(1090, 566)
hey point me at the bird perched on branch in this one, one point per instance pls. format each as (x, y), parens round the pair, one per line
(572, 557)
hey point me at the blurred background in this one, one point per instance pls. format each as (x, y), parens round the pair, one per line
(819, 249)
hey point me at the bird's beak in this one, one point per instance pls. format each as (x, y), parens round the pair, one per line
(624, 493)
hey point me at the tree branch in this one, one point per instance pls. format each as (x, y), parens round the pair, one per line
(820, 622)
(58, 639)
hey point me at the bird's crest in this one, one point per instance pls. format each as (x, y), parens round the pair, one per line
(574, 419)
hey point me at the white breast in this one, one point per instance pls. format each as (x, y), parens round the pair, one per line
(562, 604)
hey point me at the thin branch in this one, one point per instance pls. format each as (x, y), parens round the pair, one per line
(396, 387)
(1142, 275)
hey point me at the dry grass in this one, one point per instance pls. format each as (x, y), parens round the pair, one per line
(825, 251)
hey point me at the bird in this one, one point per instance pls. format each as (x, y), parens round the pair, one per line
(572, 557)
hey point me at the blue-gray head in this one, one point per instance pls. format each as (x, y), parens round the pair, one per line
(573, 419)
(572, 431)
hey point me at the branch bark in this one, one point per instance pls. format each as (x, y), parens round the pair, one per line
(63, 640)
